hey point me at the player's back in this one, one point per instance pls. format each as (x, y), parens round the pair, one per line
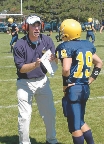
(81, 52)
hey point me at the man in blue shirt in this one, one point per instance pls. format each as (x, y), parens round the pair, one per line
(90, 30)
(32, 80)
(77, 57)
(13, 29)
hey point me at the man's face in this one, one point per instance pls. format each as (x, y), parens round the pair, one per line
(34, 29)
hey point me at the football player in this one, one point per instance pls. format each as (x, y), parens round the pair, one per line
(90, 30)
(14, 32)
(77, 57)
(102, 26)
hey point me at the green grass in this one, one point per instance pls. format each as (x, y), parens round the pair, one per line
(8, 115)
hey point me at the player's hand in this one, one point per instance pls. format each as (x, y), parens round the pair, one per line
(64, 88)
(7, 32)
(13, 33)
(90, 80)
(69, 85)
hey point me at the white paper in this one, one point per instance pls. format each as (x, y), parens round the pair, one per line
(50, 66)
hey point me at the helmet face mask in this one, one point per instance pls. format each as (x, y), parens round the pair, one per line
(70, 29)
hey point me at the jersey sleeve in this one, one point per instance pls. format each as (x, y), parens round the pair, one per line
(63, 51)
(18, 55)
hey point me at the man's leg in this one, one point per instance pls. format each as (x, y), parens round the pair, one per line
(46, 108)
(25, 109)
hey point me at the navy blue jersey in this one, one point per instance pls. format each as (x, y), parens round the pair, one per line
(81, 52)
(88, 26)
(13, 28)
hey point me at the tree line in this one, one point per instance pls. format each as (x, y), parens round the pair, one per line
(56, 9)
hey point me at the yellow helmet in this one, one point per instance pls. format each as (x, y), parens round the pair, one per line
(89, 19)
(10, 20)
(70, 29)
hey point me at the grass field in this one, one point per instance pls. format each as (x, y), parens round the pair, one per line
(8, 100)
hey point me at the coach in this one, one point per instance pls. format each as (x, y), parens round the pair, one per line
(32, 80)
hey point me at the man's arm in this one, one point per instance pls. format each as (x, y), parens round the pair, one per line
(31, 66)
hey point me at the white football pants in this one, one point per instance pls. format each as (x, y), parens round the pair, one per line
(40, 89)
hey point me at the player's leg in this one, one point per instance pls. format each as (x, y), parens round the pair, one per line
(87, 36)
(72, 110)
(14, 39)
(11, 45)
(92, 37)
(87, 134)
(44, 99)
(74, 123)
(84, 127)
(24, 95)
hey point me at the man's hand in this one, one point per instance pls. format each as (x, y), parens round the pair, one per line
(37, 63)
(52, 57)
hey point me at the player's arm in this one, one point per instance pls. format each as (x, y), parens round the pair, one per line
(66, 65)
(97, 68)
(93, 29)
(17, 29)
(101, 29)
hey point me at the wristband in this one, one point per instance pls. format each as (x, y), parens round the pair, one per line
(65, 79)
(95, 72)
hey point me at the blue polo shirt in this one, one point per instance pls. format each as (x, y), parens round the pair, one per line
(26, 52)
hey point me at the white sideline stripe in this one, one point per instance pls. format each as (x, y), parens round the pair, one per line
(56, 102)
(8, 80)
(7, 66)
